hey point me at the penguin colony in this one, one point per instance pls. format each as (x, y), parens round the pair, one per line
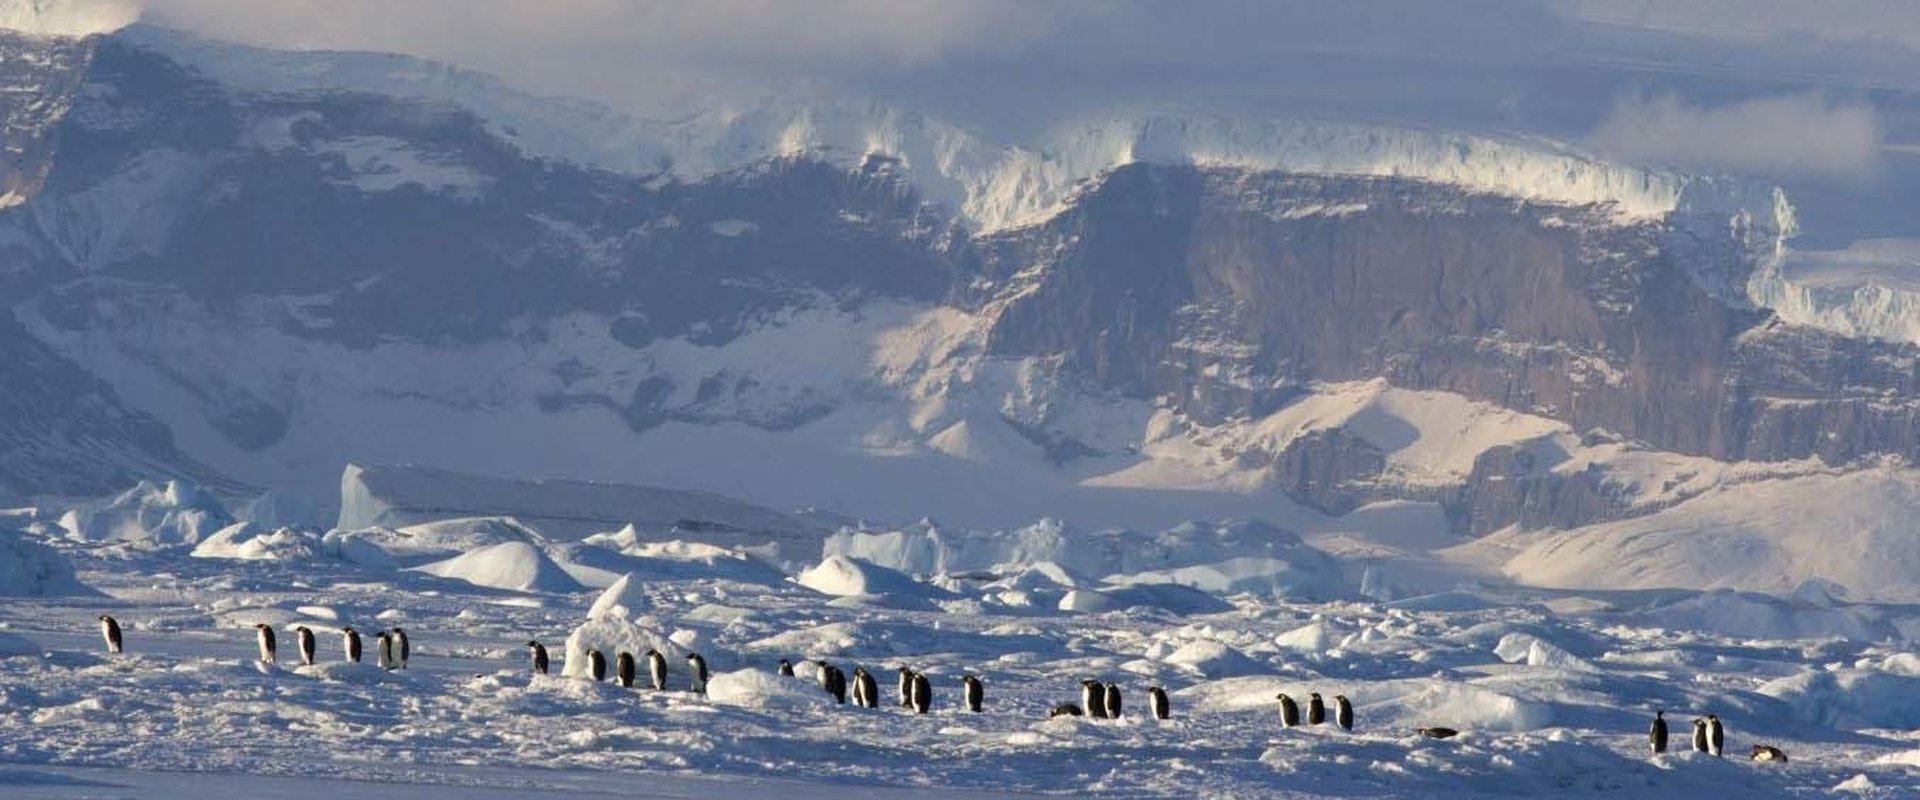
(1097, 700)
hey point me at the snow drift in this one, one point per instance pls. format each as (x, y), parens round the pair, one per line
(513, 566)
(29, 568)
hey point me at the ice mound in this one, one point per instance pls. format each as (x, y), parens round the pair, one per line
(612, 636)
(1764, 617)
(595, 563)
(1316, 579)
(1211, 659)
(178, 513)
(514, 566)
(402, 496)
(30, 569)
(851, 577)
(1246, 553)
(1313, 637)
(1470, 707)
(452, 536)
(1164, 596)
(1525, 648)
(248, 542)
(623, 600)
(758, 689)
(1850, 698)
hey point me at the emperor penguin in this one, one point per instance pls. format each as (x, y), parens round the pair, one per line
(1289, 711)
(1767, 752)
(264, 633)
(1316, 709)
(1157, 702)
(657, 669)
(1716, 735)
(350, 642)
(303, 636)
(699, 666)
(922, 694)
(863, 687)
(906, 688)
(786, 668)
(539, 655)
(865, 684)
(1657, 734)
(832, 680)
(383, 650)
(402, 650)
(1438, 733)
(110, 630)
(1064, 710)
(1699, 735)
(976, 692)
(623, 669)
(1093, 697)
(1343, 712)
(837, 684)
(596, 665)
(1113, 701)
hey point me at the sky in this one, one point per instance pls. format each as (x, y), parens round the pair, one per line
(1820, 96)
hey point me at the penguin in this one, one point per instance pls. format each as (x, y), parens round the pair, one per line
(786, 668)
(596, 665)
(383, 650)
(539, 655)
(1316, 709)
(906, 688)
(823, 674)
(304, 638)
(350, 642)
(1439, 733)
(869, 686)
(110, 630)
(864, 689)
(265, 635)
(1289, 711)
(1716, 735)
(922, 694)
(976, 692)
(401, 648)
(837, 684)
(1157, 702)
(699, 666)
(1093, 696)
(1064, 710)
(1767, 752)
(1699, 735)
(1343, 712)
(657, 669)
(1657, 734)
(833, 681)
(623, 669)
(1113, 701)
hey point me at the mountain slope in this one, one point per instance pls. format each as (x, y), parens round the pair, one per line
(299, 260)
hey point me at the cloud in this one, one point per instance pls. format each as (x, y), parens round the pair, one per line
(1793, 136)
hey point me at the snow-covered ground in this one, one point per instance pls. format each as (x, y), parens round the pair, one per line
(1553, 689)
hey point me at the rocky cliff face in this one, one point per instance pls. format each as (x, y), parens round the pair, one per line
(265, 270)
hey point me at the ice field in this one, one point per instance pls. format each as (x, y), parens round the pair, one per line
(1552, 689)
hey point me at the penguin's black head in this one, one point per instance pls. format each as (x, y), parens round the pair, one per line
(533, 643)
(1313, 694)
(347, 629)
(1339, 697)
(1714, 717)
(652, 652)
(301, 628)
(104, 618)
(1661, 714)
(397, 630)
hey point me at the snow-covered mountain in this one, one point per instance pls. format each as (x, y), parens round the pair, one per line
(253, 267)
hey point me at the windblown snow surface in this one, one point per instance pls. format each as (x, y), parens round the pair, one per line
(1552, 688)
